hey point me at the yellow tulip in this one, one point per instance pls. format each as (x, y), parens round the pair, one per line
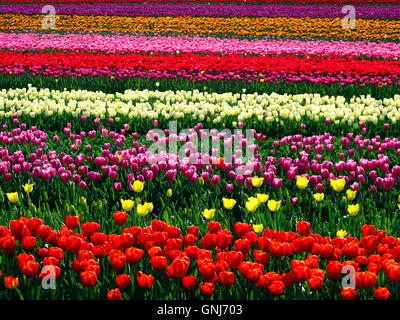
(208, 213)
(353, 209)
(398, 199)
(200, 181)
(169, 193)
(262, 197)
(149, 206)
(398, 205)
(252, 204)
(341, 233)
(258, 228)
(127, 205)
(141, 210)
(302, 182)
(28, 188)
(82, 201)
(257, 182)
(273, 205)
(351, 195)
(319, 197)
(338, 185)
(12, 197)
(228, 203)
(138, 186)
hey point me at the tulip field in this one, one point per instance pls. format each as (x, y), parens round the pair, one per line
(199, 150)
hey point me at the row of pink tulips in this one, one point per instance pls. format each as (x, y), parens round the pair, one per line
(306, 154)
(186, 44)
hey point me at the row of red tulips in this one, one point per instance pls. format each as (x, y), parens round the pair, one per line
(202, 63)
(219, 257)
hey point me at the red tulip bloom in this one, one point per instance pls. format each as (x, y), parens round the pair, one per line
(276, 288)
(7, 244)
(11, 282)
(334, 270)
(315, 283)
(118, 261)
(264, 281)
(365, 280)
(190, 240)
(214, 227)
(191, 251)
(368, 230)
(89, 279)
(370, 243)
(123, 281)
(134, 255)
(72, 222)
(226, 278)
(178, 268)
(348, 293)
(242, 245)
(194, 230)
(144, 281)
(303, 228)
(235, 258)
(207, 271)
(89, 228)
(100, 251)
(288, 279)
(207, 289)
(301, 273)
(42, 252)
(242, 228)
(30, 269)
(261, 257)
(33, 224)
(56, 253)
(381, 293)
(158, 225)
(209, 241)
(159, 263)
(350, 250)
(189, 282)
(19, 229)
(326, 251)
(28, 243)
(224, 239)
(114, 294)
(98, 238)
(120, 218)
(24, 258)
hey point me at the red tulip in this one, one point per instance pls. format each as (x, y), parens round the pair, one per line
(144, 281)
(120, 218)
(123, 281)
(207, 289)
(114, 294)
(189, 282)
(381, 293)
(303, 228)
(226, 278)
(348, 293)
